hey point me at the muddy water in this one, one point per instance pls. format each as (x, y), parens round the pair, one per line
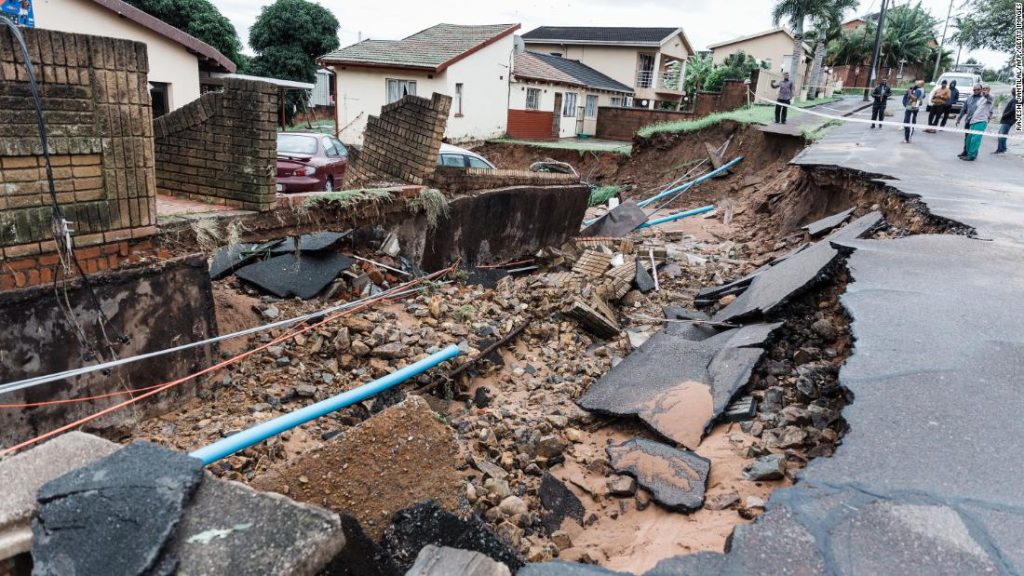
(681, 413)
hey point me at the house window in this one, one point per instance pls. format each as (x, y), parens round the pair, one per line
(533, 98)
(458, 99)
(397, 89)
(158, 93)
(645, 71)
(591, 111)
(569, 105)
(616, 101)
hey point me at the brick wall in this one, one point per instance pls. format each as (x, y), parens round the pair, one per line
(532, 124)
(459, 180)
(221, 147)
(96, 105)
(403, 142)
(622, 123)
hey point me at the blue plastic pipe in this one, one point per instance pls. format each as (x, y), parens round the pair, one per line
(688, 185)
(261, 432)
(677, 216)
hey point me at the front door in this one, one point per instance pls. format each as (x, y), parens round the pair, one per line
(556, 121)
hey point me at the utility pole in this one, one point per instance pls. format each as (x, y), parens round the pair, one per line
(874, 55)
(938, 54)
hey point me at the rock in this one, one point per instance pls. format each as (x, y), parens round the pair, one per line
(754, 502)
(768, 467)
(427, 523)
(825, 329)
(361, 556)
(561, 540)
(342, 340)
(490, 468)
(359, 325)
(671, 270)
(275, 351)
(443, 561)
(621, 485)
(805, 355)
(359, 348)
(559, 503)
(722, 501)
(727, 299)
(551, 448)
(270, 312)
(305, 391)
(497, 487)
(390, 351)
(513, 505)
(78, 531)
(481, 397)
(675, 478)
(471, 494)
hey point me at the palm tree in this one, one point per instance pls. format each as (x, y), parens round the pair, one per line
(908, 34)
(796, 11)
(828, 25)
(851, 47)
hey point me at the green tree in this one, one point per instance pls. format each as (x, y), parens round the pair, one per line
(828, 25)
(796, 12)
(198, 18)
(987, 24)
(736, 66)
(697, 71)
(288, 37)
(851, 47)
(908, 34)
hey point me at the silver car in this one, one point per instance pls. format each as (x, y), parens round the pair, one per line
(456, 157)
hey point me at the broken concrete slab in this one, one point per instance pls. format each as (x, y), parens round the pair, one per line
(776, 544)
(114, 515)
(289, 275)
(559, 503)
(592, 318)
(827, 224)
(23, 474)
(702, 563)
(560, 568)
(314, 242)
(620, 221)
(231, 528)
(442, 561)
(227, 259)
(676, 478)
(360, 556)
(643, 280)
(427, 523)
(679, 386)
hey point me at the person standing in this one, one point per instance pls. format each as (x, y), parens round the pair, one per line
(1008, 119)
(967, 112)
(937, 107)
(954, 97)
(911, 106)
(785, 96)
(880, 96)
(977, 122)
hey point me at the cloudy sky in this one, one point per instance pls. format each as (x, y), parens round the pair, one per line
(704, 21)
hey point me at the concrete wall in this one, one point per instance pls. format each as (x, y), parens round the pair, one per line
(156, 307)
(97, 108)
(362, 92)
(222, 147)
(169, 61)
(497, 225)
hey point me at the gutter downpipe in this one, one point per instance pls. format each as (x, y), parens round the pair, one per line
(260, 432)
(690, 184)
(677, 216)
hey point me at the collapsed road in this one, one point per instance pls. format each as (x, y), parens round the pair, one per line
(823, 386)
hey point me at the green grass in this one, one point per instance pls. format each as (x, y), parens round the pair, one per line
(601, 195)
(322, 126)
(345, 198)
(755, 114)
(816, 132)
(432, 203)
(581, 145)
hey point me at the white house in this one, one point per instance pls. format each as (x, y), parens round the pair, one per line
(555, 97)
(469, 63)
(176, 60)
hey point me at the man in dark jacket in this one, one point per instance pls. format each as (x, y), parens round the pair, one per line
(953, 99)
(1008, 119)
(879, 97)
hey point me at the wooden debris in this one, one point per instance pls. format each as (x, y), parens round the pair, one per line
(598, 323)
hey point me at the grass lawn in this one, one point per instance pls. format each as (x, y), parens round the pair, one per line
(322, 126)
(755, 114)
(581, 145)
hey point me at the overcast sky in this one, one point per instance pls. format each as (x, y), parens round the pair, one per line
(704, 21)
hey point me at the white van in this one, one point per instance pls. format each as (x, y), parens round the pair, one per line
(965, 82)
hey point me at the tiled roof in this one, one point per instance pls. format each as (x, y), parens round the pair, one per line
(607, 35)
(190, 43)
(435, 48)
(538, 66)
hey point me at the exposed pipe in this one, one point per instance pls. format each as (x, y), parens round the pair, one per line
(260, 432)
(690, 184)
(677, 216)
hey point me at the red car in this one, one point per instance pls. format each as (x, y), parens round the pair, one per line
(309, 162)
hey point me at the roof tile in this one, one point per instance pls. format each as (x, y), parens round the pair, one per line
(430, 49)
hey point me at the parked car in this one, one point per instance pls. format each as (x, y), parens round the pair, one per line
(964, 82)
(309, 162)
(456, 157)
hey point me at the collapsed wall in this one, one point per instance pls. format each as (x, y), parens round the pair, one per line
(221, 148)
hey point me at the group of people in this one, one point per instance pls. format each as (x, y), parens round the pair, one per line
(976, 112)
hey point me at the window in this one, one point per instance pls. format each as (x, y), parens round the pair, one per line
(296, 144)
(786, 61)
(454, 160)
(400, 88)
(556, 54)
(158, 92)
(329, 150)
(645, 71)
(616, 101)
(458, 99)
(533, 98)
(569, 105)
(591, 111)
(342, 151)
(475, 162)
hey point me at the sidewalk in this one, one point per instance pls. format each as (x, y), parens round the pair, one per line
(797, 122)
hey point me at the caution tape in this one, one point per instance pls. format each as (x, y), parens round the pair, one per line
(1015, 137)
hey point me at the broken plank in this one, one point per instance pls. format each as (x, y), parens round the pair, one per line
(592, 321)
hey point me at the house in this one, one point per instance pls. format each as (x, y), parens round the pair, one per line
(469, 63)
(556, 97)
(774, 49)
(652, 61)
(177, 61)
(323, 90)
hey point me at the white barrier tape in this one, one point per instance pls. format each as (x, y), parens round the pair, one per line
(924, 126)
